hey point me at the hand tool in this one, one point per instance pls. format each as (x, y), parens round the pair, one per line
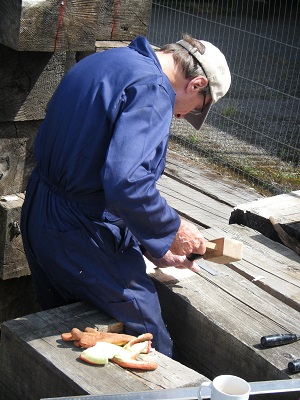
(221, 251)
(188, 393)
(278, 339)
(294, 366)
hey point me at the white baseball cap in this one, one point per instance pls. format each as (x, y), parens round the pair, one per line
(216, 69)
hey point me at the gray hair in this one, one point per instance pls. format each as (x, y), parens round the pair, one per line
(186, 61)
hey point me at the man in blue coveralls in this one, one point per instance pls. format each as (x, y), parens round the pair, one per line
(92, 210)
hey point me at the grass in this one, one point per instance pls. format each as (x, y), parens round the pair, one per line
(229, 111)
(238, 160)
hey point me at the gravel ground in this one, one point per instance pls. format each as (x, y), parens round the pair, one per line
(234, 157)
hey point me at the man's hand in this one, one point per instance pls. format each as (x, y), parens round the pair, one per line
(187, 240)
(172, 260)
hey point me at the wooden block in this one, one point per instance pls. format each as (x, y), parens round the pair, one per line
(13, 263)
(217, 320)
(263, 215)
(28, 81)
(222, 251)
(52, 366)
(70, 25)
(225, 251)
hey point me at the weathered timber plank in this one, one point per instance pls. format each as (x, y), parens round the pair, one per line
(207, 181)
(123, 20)
(16, 131)
(101, 45)
(284, 209)
(12, 162)
(267, 264)
(79, 315)
(52, 366)
(70, 25)
(28, 81)
(13, 263)
(48, 25)
(193, 204)
(217, 322)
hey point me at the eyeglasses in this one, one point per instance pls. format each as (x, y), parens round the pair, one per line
(196, 110)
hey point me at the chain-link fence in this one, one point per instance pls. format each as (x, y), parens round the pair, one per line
(254, 131)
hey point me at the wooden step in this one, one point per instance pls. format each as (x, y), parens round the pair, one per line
(35, 363)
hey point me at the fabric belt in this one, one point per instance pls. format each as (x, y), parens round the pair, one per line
(89, 203)
(89, 200)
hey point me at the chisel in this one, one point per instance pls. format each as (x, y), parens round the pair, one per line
(278, 339)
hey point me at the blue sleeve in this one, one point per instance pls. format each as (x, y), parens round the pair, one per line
(135, 160)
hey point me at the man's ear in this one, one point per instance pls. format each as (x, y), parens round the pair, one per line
(198, 83)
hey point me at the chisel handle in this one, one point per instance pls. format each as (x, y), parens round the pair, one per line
(195, 256)
(294, 366)
(278, 339)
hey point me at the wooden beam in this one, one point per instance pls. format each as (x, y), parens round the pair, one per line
(52, 25)
(52, 365)
(28, 81)
(272, 216)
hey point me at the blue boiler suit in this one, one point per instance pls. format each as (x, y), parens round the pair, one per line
(92, 201)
